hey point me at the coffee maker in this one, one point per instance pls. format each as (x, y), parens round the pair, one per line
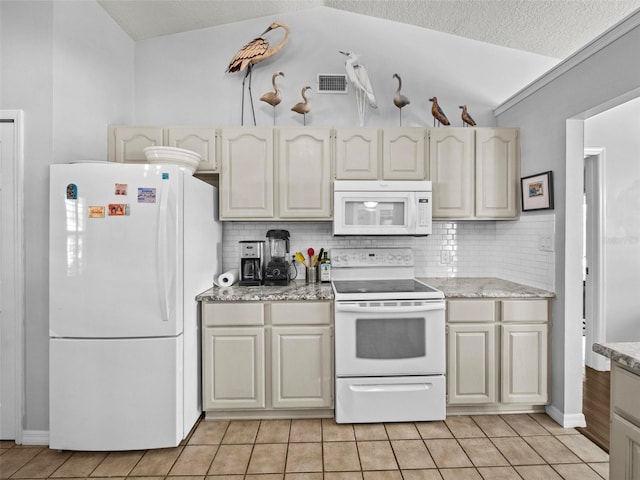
(277, 270)
(251, 262)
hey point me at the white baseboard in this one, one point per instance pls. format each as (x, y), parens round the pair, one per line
(566, 421)
(35, 437)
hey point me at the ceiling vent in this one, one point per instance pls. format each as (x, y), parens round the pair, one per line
(332, 83)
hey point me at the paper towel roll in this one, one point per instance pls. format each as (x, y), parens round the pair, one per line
(227, 278)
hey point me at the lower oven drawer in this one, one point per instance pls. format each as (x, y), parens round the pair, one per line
(390, 399)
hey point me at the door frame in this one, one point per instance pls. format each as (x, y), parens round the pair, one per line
(17, 250)
(595, 230)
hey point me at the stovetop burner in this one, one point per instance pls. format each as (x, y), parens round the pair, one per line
(382, 286)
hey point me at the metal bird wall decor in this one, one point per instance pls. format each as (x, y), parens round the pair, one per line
(467, 121)
(359, 78)
(252, 53)
(303, 107)
(400, 100)
(273, 98)
(437, 113)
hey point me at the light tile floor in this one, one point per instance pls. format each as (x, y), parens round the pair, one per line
(491, 447)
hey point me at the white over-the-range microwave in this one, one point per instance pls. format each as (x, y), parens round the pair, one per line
(369, 207)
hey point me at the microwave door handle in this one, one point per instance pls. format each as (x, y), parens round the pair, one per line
(357, 309)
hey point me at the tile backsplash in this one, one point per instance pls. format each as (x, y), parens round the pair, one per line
(511, 250)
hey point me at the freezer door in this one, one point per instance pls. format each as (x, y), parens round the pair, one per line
(115, 238)
(120, 394)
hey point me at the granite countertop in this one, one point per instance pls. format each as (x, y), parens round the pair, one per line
(625, 353)
(485, 287)
(296, 290)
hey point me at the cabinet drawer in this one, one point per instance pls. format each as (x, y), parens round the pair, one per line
(625, 392)
(525, 311)
(232, 314)
(471, 311)
(301, 313)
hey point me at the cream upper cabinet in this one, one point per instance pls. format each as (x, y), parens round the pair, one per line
(475, 172)
(357, 153)
(403, 153)
(497, 172)
(247, 174)
(451, 170)
(201, 140)
(304, 173)
(126, 144)
(380, 154)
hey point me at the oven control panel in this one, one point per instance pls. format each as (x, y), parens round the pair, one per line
(372, 257)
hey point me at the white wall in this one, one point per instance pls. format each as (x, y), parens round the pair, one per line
(616, 130)
(542, 113)
(181, 79)
(70, 68)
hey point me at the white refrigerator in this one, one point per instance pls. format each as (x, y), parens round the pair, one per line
(130, 247)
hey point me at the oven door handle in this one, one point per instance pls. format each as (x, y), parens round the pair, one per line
(354, 308)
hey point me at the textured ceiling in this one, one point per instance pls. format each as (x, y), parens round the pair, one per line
(554, 28)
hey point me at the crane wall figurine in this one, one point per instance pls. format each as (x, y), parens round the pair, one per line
(303, 107)
(467, 121)
(252, 53)
(437, 113)
(400, 100)
(273, 98)
(359, 78)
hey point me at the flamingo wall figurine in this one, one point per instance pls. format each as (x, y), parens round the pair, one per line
(303, 107)
(252, 53)
(400, 100)
(273, 98)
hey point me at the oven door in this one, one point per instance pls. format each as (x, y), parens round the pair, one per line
(404, 337)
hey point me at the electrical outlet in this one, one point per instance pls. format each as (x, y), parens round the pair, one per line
(445, 257)
(545, 243)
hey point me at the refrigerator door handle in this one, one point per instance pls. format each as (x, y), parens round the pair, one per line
(163, 253)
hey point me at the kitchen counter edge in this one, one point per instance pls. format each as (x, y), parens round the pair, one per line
(296, 290)
(484, 287)
(625, 353)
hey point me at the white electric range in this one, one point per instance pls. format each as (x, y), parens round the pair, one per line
(389, 338)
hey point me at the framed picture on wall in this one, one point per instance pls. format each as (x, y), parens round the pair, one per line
(537, 192)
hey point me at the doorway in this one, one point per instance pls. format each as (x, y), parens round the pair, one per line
(12, 279)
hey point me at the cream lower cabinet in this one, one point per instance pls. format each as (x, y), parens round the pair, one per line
(497, 352)
(624, 451)
(268, 357)
(475, 173)
(126, 144)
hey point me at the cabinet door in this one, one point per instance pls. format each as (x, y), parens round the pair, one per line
(524, 363)
(403, 154)
(246, 174)
(233, 370)
(127, 144)
(451, 170)
(201, 140)
(497, 172)
(357, 153)
(304, 173)
(301, 367)
(624, 459)
(471, 369)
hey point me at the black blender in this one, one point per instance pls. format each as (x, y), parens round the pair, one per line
(277, 270)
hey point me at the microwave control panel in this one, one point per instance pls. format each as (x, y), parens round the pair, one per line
(424, 211)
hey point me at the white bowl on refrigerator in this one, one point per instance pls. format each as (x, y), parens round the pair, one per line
(182, 157)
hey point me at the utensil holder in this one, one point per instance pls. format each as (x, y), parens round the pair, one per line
(311, 275)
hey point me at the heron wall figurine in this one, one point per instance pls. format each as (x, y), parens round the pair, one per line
(400, 100)
(252, 53)
(303, 107)
(359, 78)
(467, 121)
(437, 113)
(273, 98)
